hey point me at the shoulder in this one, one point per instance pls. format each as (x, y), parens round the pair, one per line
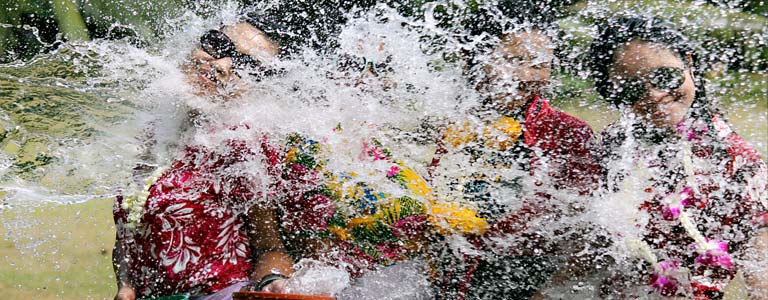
(561, 128)
(742, 153)
(573, 124)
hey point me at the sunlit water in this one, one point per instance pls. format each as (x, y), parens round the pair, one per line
(70, 119)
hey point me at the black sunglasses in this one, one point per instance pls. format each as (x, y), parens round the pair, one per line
(219, 45)
(633, 89)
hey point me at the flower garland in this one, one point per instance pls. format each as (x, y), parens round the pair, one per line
(134, 204)
(668, 274)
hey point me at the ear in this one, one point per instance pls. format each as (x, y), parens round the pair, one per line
(689, 58)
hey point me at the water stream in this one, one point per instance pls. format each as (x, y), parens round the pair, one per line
(71, 121)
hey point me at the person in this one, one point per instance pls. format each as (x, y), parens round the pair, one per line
(699, 189)
(205, 226)
(216, 68)
(510, 157)
(215, 73)
(356, 207)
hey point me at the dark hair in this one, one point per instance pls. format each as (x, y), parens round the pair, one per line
(506, 15)
(295, 24)
(616, 33)
(488, 24)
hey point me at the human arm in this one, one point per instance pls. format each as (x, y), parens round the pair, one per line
(268, 247)
(125, 290)
(120, 257)
(758, 279)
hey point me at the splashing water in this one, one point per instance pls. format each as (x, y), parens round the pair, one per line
(73, 125)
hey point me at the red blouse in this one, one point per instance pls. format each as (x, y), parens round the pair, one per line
(191, 237)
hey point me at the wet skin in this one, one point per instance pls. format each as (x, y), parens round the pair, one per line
(216, 77)
(663, 109)
(517, 69)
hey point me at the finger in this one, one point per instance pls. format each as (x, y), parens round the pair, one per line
(277, 286)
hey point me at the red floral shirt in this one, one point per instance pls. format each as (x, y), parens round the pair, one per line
(191, 237)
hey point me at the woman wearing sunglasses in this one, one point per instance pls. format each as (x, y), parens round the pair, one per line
(225, 55)
(700, 189)
(204, 227)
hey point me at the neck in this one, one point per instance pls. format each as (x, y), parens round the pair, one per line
(517, 110)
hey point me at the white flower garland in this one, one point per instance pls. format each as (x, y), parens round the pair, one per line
(134, 204)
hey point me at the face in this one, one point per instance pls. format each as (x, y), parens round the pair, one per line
(367, 65)
(214, 74)
(665, 84)
(518, 68)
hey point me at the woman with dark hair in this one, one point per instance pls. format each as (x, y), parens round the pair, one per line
(511, 156)
(700, 188)
(205, 226)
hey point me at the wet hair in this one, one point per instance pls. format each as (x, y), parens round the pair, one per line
(296, 24)
(509, 15)
(615, 33)
(275, 31)
(486, 27)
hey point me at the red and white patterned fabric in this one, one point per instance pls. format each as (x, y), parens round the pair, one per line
(191, 237)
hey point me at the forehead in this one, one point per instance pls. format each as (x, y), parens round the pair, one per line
(525, 43)
(638, 57)
(250, 40)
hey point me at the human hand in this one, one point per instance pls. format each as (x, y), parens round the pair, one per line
(277, 286)
(125, 293)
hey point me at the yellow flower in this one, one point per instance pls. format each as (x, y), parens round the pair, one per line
(503, 133)
(456, 218)
(458, 135)
(339, 232)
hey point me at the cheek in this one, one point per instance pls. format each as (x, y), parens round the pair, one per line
(675, 110)
(687, 92)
